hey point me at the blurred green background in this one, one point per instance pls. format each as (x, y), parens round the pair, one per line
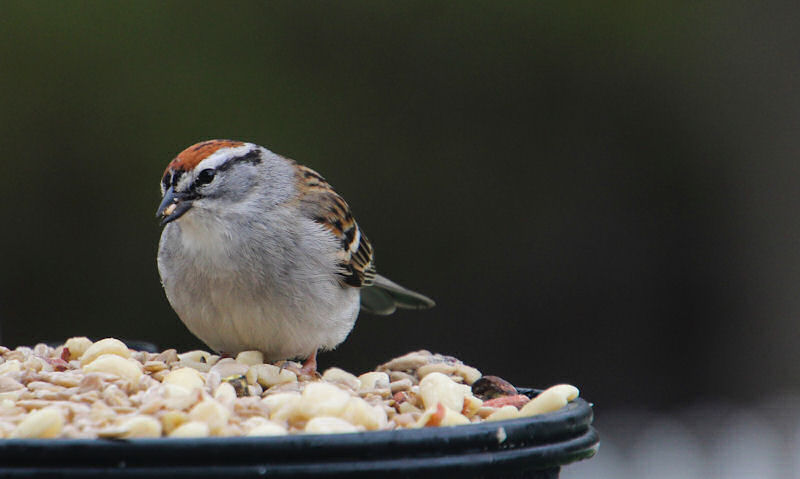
(600, 193)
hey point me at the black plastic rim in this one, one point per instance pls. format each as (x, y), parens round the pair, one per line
(536, 443)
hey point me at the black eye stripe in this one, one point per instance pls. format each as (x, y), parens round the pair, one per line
(176, 177)
(172, 178)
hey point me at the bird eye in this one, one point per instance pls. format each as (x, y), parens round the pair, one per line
(205, 177)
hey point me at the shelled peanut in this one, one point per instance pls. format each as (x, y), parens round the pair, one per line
(85, 389)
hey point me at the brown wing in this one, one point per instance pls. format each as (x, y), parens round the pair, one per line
(321, 203)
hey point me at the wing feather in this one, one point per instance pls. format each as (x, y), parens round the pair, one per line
(321, 203)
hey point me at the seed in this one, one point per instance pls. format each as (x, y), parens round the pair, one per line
(10, 366)
(268, 375)
(44, 423)
(104, 347)
(444, 368)
(154, 366)
(191, 429)
(374, 380)
(468, 373)
(225, 394)
(141, 426)
(168, 356)
(329, 425)
(322, 399)
(77, 347)
(360, 413)
(407, 362)
(212, 413)
(505, 412)
(116, 365)
(196, 356)
(250, 358)
(439, 415)
(228, 367)
(549, 400)
(258, 426)
(436, 388)
(112, 391)
(171, 420)
(340, 376)
(67, 379)
(400, 385)
(9, 384)
(282, 406)
(185, 377)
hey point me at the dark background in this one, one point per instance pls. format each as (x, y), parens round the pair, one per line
(600, 193)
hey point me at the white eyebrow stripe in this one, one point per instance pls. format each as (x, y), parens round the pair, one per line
(222, 155)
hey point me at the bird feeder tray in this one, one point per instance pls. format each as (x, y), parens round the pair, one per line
(533, 447)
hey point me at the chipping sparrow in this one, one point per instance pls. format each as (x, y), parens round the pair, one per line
(258, 252)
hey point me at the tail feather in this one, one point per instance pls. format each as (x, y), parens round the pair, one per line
(383, 297)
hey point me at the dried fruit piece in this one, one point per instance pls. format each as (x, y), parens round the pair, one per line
(491, 387)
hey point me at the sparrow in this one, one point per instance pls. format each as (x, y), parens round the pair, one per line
(258, 252)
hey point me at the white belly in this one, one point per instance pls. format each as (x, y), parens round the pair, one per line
(236, 297)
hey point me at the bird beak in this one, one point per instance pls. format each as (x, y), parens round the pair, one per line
(172, 207)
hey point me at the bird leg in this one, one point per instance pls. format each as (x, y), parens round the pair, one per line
(310, 365)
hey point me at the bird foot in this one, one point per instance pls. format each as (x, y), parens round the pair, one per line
(310, 366)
